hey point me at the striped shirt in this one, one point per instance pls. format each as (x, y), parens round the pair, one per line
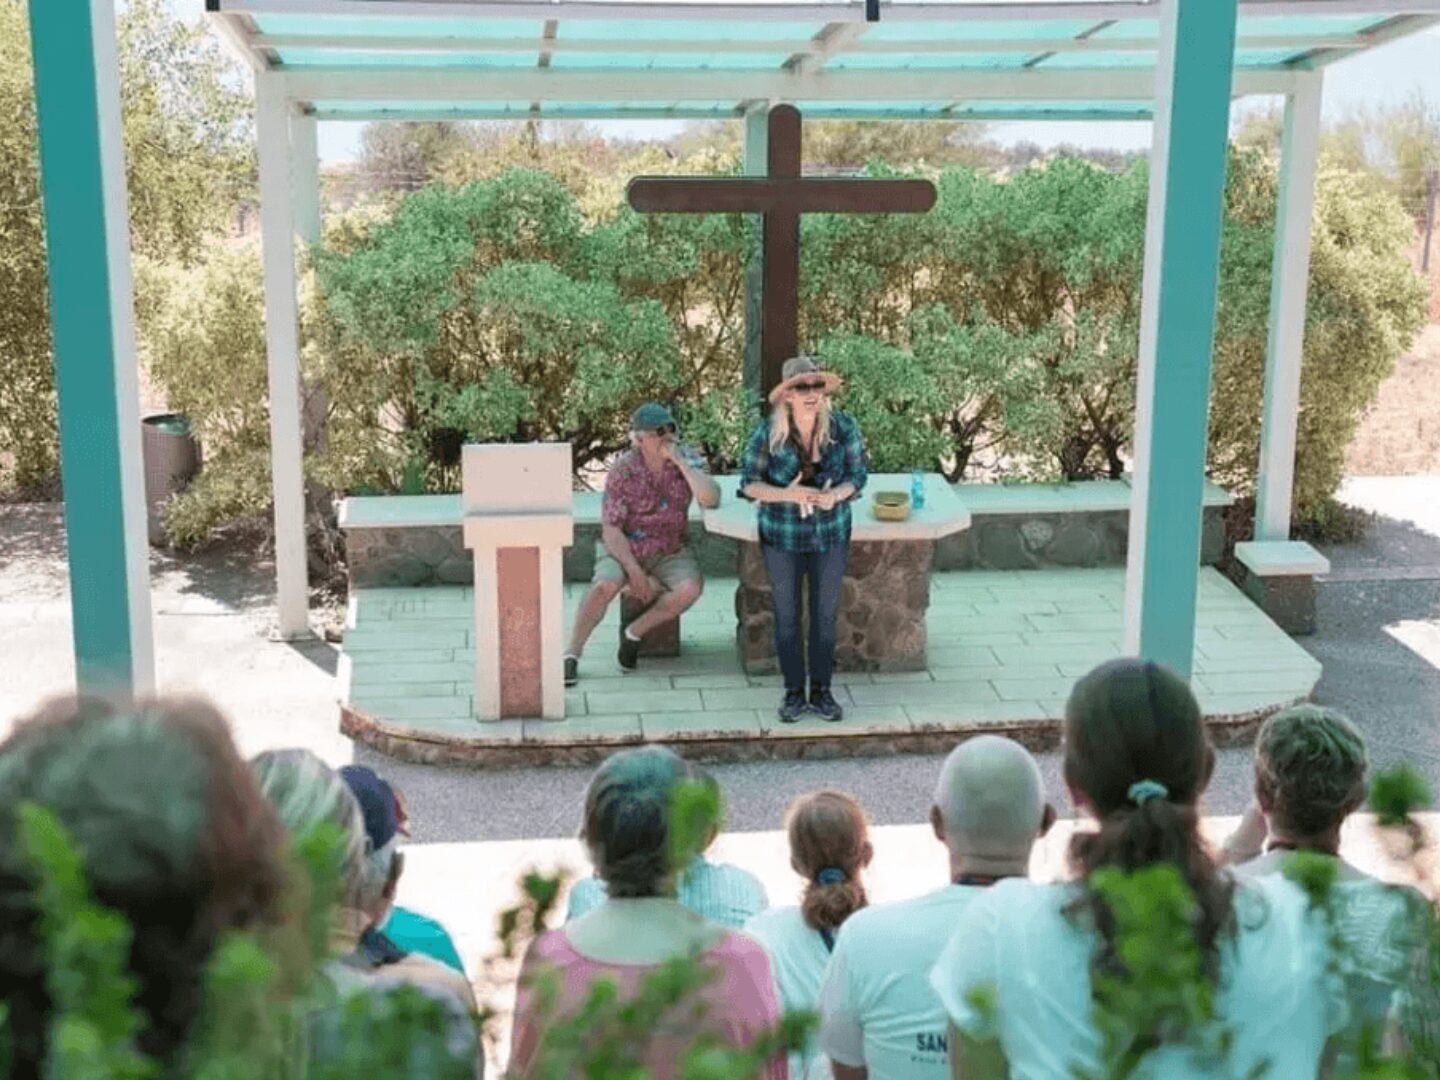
(843, 461)
(722, 893)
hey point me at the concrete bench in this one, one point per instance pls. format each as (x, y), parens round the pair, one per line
(1280, 578)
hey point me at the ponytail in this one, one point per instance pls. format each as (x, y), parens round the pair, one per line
(830, 847)
(1136, 747)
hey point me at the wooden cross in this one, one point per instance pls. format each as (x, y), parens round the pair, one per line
(781, 196)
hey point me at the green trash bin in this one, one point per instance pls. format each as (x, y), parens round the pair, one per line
(171, 455)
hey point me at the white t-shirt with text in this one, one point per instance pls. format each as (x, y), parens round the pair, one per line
(1016, 942)
(877, 1007)
(797, 962)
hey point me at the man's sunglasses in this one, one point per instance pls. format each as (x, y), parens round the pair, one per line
(665, 429)
(806, 387)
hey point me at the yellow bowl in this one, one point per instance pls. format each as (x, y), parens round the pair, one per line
(891, 505)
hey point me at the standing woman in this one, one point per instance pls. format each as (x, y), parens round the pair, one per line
(803, 466)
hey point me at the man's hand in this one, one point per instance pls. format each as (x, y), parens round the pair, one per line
(642, 586)
(670, 449)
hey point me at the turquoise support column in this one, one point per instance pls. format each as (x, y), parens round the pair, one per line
(92, 312)
(1177, 328)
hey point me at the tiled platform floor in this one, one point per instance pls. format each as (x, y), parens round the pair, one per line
(1005, 648)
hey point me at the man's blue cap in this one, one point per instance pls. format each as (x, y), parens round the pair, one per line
(651, 417)
(378, 804)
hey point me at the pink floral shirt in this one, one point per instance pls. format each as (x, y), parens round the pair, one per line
(738, 1005)
(651, 509)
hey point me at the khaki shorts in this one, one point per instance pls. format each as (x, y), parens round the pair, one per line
(671, 570)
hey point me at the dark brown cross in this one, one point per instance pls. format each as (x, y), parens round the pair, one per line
(781, 196)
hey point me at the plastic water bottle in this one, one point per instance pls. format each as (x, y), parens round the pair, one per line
(917, 489)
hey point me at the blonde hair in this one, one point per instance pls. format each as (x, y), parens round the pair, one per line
(780, 423)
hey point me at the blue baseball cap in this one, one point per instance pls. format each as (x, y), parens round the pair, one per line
(379, 805)
(652, 416)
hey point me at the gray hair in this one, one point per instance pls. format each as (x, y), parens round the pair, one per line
(626, 826)
(305, 793)
(1310, 762)
(991, 799)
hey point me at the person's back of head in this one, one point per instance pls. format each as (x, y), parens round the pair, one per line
(1310, 765)
(626, 824)
(173, 833)
(990, 806)
(830, 848)
(307, 794)
(1137, 758)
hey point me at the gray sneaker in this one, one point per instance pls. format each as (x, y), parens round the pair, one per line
(629, 654)
(793, 707)
(572, 670)
(823, 702)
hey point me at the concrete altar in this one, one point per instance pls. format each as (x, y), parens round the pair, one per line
(517, 523)
(886, 590)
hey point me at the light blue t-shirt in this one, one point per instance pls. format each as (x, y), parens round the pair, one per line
(418, 933)
(723, 893)
(1276, 994)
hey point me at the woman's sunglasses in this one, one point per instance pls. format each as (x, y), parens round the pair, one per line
(806, 387)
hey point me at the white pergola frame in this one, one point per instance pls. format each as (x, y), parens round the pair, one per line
(287, 115)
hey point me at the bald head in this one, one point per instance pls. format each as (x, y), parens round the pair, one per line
(990, 802)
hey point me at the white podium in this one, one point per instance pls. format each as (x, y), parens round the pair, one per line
(517, 520)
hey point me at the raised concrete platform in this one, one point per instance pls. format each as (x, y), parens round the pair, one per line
(1005, 649)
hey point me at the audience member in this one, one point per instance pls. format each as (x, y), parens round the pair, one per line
(879, 1016)
(174, 835)
(1136, 759)
(306, 792)
(383, 809)
(722, 892)
(1310, 766)
(640, 926)
(830, 849)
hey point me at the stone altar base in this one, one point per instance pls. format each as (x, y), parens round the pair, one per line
(883, 603)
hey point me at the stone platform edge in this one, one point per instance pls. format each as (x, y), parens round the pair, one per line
(531, 743)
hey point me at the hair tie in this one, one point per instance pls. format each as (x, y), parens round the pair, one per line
(1142, 791)
(831, 875)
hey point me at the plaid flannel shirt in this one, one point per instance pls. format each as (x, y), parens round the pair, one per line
(843, 461)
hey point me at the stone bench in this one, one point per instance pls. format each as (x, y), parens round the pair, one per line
(1280, 578)
(408, 540)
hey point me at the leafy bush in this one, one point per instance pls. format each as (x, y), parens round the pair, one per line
(189, 162)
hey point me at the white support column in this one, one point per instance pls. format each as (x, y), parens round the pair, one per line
(282, 345)
(306, 177)
(1289, 286)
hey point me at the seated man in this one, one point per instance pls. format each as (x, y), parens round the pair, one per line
(879, 1017)
(721, 892)
(1310, 766)
(305, 793)
(643, 535)
(386, 818)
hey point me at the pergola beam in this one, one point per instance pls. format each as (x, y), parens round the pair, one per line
(536, 84)
(798, 12)
(384, 43)
(963, 111)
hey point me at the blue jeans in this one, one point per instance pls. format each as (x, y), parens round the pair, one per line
(825, 569)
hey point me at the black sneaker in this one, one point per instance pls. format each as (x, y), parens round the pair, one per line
(629, 654)
(824, 703)
(572, 670)
(793, 707)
